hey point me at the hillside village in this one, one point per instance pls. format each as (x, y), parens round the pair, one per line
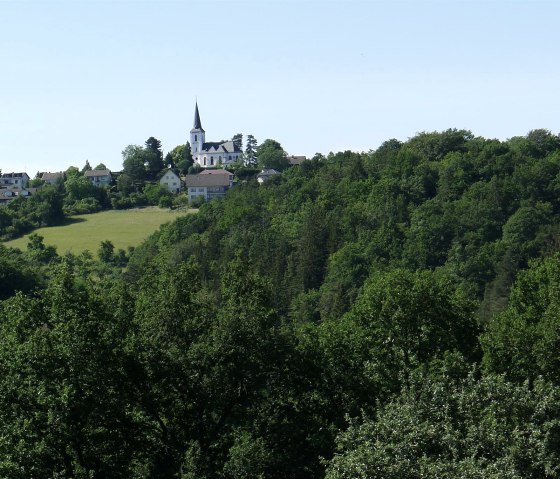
(212, 171)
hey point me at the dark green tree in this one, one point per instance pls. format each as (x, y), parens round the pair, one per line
(238, 141)
(454, 425)
(251, 151)
(270, 154)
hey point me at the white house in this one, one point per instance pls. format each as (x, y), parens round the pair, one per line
(18, 180)
(99, 177)
(171, 181)
(52, 178)
(209, 186)
(210, 154)
(9, 194)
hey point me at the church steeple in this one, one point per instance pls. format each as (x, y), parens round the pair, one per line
(197, 124)
(197, 135)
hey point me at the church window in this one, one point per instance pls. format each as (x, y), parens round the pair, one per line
(195, 138)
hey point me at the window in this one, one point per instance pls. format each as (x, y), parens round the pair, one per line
(204, 161)
(195, 138)
(211, 161)
(201, 190)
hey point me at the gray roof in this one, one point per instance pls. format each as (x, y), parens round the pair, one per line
(197, 123)
(216, 172)
(267, 172)
(14, 175)
(206, 180)
(51, 176)
(93, 173)
(13, 192)
(216, 147)
(296, 160)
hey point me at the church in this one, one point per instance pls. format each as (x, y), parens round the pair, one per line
(211, 154)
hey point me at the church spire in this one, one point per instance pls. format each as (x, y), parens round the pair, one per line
(197, 124)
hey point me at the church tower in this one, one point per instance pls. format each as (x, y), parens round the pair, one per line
(197, 135)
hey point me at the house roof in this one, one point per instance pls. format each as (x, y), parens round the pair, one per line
(169, 170)
(12, 192)
(197, 123)
(268, 172)
(296, 160)
(51, 176)
(216, 172)
(206, 180)
(14, 175)
(94, 173)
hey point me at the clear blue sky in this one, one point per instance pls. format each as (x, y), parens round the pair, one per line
(80, 79)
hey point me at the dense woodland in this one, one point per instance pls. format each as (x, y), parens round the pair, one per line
(390, 314)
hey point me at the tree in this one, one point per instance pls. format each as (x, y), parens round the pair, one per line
(251, 151)
(72, 171)
(87, 167)
(270, 154)
(153, 157)
(133, 164)
(523, 342)
(238, 141)
(100, 166)
(448, 423)
(400, 321)
(106, 251)
(78, 188)
(182, 157)
(61, 356)
(37, 249)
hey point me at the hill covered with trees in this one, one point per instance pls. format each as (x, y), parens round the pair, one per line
(385, 314)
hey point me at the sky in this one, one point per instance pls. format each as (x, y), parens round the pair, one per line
(82, 79)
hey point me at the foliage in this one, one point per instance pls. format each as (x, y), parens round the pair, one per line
(448, 425)
(270, 154)
(324, 323)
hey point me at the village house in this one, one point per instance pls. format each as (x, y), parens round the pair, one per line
(295, 160)
(9, 194)
(171, 181)
(224, 173)
(99, 177)
(211, 154)
(52, 178)
(266, 174)
(207, 186)
(18, 180)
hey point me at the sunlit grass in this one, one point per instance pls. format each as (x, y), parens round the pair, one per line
(123, 228)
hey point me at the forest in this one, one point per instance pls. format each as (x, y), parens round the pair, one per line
(387, 314)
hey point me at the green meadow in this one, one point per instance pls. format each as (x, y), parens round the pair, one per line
(123, 228)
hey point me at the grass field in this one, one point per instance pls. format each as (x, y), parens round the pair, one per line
(123, 228)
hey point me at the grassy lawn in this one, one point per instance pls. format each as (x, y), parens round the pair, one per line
(122, 227)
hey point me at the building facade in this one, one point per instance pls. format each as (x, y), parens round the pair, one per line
(171, 181)
(207, 186)
(18, 180)
(99, 177)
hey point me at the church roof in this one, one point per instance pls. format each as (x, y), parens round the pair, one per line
(96, 173)
(197, 124)
(216, 147)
